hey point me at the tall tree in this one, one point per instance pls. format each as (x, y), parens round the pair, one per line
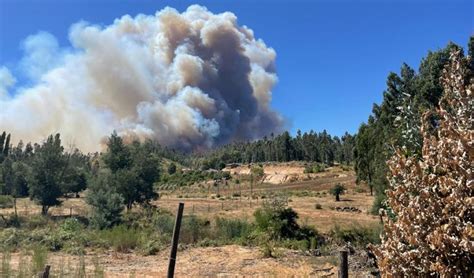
(432, 197)
(47, 173)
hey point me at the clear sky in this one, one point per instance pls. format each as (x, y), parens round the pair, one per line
(332, 56)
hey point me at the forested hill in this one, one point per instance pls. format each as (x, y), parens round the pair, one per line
(395, 123)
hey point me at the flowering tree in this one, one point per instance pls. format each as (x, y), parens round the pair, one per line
(432, 197)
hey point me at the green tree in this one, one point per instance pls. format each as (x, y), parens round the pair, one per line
(76, 172)
(106, 203)
(172, 168)
(118, 154)
(134, 169)
(337, 190)
(364, 155)
(47, 172)
(4, 145)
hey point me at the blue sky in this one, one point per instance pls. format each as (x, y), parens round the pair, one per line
(332, 56)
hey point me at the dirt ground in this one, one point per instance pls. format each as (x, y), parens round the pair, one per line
(224, 261)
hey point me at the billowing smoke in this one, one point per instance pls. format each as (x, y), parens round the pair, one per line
(189, 80)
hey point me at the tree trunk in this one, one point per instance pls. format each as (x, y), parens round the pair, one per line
(14, 204)
(337, 198)
(44, 210)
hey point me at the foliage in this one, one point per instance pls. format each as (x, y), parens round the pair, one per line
(121, 238)
(432, 197)
(257, 171)
(106, 203)
(134, 168)
(48, 167)
(394, 124)
(337, 190)
(314, 168)
(4, 145)
(171, 168)
(312, 146)
(356, 235)
(279, 222)
(231, 229)
(6, 201)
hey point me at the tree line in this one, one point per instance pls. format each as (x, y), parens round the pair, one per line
(309, 146)
(118, 178)
(396, 122)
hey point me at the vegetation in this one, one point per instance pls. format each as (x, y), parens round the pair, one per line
(313, 147)
(432, 197)
(395, 123)
(337, 190)
(427, 194)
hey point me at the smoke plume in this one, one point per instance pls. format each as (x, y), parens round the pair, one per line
(190, 80)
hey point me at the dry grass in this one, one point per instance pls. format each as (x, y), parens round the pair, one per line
(232, 261)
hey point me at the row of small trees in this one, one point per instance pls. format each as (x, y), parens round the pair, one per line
(44, 172)
(121, 177)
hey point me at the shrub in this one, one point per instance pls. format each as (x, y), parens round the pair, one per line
(193, 229)
(357, 235)
(318, 206)
(314, 168)
(120, 238)
(6, 201)
(232, 229)
(172, 168)
(36, 221)
(257, 172)
(279, 221)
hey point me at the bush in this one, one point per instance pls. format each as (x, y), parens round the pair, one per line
(120, 238)
(257, 172)
(357, 235)
(314, 168)
(193, 229)
(318, 206)
(172, 168)
(232, 229)
(6, 201)
(279, 222)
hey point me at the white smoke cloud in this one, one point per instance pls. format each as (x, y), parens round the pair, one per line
(6, 81)
(189, 80)
(41, 54)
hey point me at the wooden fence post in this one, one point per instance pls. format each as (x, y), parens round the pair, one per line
(343, 264)
(174, 243)
(45, 273)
